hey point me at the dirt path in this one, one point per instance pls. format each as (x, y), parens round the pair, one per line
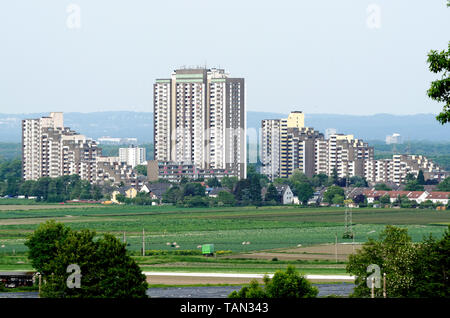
(317, 252)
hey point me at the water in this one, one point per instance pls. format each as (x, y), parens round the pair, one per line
(343, 289)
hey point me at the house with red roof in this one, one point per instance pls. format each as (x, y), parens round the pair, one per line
(439, 197)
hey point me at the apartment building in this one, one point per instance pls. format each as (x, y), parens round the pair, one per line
(396, 169)
(51, 150)
(199, 119)
(288, 145)
(348, 155)
(271, 147)
(300, 151)
(281, 138)
(132, 156)
(176, 171)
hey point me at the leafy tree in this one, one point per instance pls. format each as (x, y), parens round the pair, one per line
(319, 180)
(431, 270)
(229, 182)
(358, 182)
(121, 198)
(331, 192)
(225, 198)
(284, 284)
(414, 186)
(444, 185)
(304, 192)
(172, 195)
(439, 63)
(193, 189)
(107, 270)
(394, 253)
(42, 247)
(96, 192)
(334, 178)
(385, 199)
(272, 194)
(254, 290)
(213, 182)
(255, 190)
(338, 199)
(382, 187)
(195, 201)
(141, 169)
(298, 177)
(420, 178)
(360, 198)
(290, 284)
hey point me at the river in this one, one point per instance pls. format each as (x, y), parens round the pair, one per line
(342, 289)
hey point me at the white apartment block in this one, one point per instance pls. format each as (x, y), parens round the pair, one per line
(396, 169)
(271, 148)
(51, 150)
(199, 118)
(132, 156)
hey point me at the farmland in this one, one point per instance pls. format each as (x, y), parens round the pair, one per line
(252, 239)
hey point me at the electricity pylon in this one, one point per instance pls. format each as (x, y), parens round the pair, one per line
(348, 233)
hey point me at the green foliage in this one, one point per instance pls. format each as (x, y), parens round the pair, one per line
(444, 185)
(334, 177)
(357, 181)
(420, 178)
(284, 284)
(414, 185)
(382, 187)
(193, 189)
(107, 270)
(42, 245)
(213, 182)
(225, 198)
(254, 290)
(385, 199)
(439, 63)
(432, 268)
(412, 270)
(194, 201)
(331, 192)
(141, 169)
(394, 253)
(338, 199)
(229, 182)
(272, 194)
(10, 177)
(319, 180)
(304, 191)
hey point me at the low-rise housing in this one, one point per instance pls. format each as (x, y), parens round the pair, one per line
(417, 196)
(284, 191)
(127, 191)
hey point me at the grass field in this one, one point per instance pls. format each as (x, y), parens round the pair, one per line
(273, 230)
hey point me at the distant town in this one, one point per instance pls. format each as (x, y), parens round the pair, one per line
(200, 136)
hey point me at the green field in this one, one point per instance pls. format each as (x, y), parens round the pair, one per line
(266, 228)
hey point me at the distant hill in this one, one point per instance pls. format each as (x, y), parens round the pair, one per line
(140, 125)
(375, 127)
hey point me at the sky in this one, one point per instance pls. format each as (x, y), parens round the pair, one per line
(342, 57)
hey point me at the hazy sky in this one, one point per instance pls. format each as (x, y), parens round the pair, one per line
(327, 56)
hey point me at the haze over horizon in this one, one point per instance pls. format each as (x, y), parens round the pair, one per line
(334, 57)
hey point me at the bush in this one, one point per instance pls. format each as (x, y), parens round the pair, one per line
(284, 284)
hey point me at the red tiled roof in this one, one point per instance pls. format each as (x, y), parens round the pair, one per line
(438, 195)
(393, 194)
